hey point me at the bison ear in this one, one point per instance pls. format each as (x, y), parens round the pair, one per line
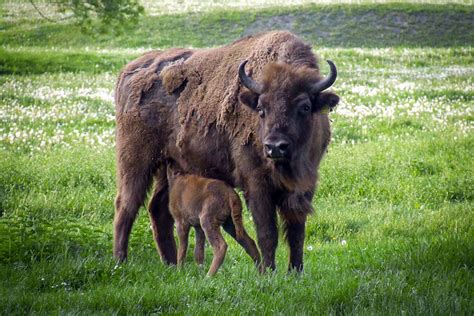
(328, 99)
(249, 98)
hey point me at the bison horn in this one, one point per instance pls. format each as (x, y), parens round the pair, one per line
(326, 82)
(248, 82)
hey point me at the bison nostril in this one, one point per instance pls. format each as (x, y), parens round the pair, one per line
(283, 146)
(278, 149)
(269, 148)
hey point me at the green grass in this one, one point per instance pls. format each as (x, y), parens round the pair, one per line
(38, 61)
(392, 231)
(367, 25)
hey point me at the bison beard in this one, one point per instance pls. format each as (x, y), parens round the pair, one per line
(183, 105)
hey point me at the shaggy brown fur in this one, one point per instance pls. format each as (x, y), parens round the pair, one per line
(189, 106)
(211, 94)
(207, 204)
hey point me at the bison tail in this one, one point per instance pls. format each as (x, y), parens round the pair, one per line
(236, 214)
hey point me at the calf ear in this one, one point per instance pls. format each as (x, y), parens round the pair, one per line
(249, 99)
(329, 99)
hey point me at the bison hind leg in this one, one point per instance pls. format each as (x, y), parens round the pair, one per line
(131, 194)
(162, 222)
(137, 161)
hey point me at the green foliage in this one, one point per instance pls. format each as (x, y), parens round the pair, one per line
(112, 14)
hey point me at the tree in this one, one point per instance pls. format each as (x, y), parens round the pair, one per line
(111, 14)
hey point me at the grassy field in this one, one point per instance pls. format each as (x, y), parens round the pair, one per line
(392, 231)
(409, 25)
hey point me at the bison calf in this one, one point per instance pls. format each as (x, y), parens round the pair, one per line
(206, 204)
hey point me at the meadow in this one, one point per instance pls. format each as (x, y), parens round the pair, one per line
(392, 231)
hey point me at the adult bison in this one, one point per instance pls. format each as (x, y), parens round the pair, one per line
(264, 131)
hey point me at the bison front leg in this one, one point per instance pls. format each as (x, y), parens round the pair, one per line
(264, 217)
(295, 233)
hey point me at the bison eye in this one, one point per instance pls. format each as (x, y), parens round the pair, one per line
(261, 111)
(304, 109)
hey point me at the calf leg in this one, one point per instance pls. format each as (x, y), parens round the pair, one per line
(245, 241)
(162, 222)
(199, 248)
(183, 235)
(214, 236)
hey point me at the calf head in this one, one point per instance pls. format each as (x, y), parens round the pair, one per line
(287, 100)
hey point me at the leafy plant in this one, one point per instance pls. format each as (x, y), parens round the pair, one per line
(113, 15)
